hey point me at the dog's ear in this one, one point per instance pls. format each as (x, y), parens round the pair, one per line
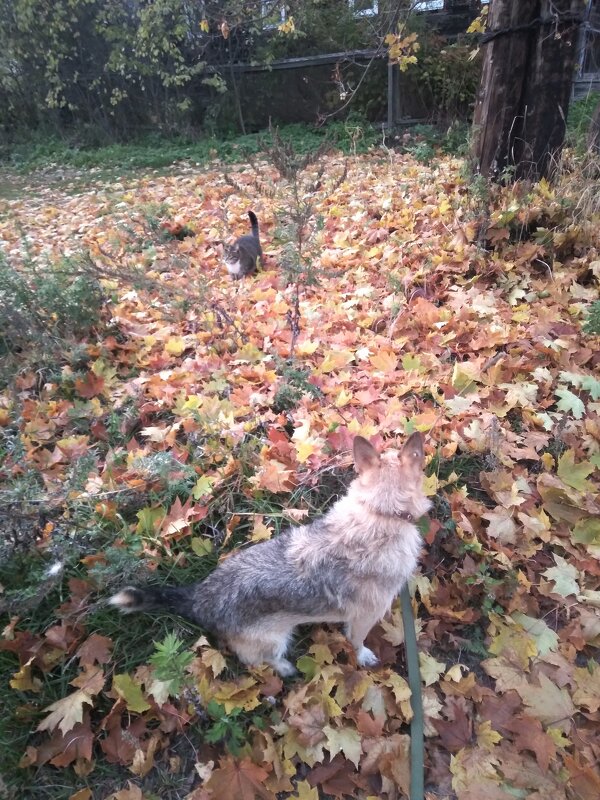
(413, 452)
(365, 455)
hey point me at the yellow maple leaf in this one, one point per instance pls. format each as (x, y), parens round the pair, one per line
(336, 359)
(343, 740)
(130, 692)
(307, 348)
(23, 680)
(260, 531)
(304, 791)
(175, 345)
(510, 639)
(430, 668)
(304, 450)
(384, 361)
(430, 485)
(487, 737)
(242, 693)
(343, 398)
(214, 659)
(287, 27)
(455, 673)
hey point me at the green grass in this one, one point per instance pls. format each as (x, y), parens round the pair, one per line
(133, 644)
(578, 122)
(156, 152)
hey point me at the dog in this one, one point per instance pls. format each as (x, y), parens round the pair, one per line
(347, 566)
(242, 256)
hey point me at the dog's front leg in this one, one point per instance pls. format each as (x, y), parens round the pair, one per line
(356, 631)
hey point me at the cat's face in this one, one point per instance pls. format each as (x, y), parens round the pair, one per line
(231, 253)
(231, 257)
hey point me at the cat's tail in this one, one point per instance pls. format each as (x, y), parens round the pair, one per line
(254, 224)
(175, 599)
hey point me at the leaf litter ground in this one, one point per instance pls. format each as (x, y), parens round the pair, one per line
(183, 430)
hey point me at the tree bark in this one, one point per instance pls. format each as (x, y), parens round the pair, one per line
(523, 99)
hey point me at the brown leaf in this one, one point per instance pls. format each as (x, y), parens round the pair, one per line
(457, 731)
(90, 680)
(337, 778)
(63, 636)
(236, 779)
(132, 792)
(95, 650)
(90, 386)
(583, 778)
(63, 749)
(309, 723)
(271, 686)
(531, 736)
(82, 794)
(500, 710)
(120, 745)
(368, 726)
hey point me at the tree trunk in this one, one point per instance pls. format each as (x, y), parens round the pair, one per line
(523, 99)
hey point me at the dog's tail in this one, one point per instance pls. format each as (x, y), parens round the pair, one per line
(254, 224)
(153, 598)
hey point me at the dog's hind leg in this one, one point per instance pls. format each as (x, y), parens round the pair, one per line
(263, 646)
(356, 630)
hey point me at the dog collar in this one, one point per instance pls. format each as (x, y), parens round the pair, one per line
(404, 515)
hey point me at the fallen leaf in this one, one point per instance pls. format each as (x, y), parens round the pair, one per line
(236, 779)
(564, 577)
(130, 692)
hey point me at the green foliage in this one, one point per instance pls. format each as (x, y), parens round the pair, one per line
(294, 384)
(98, 60)
(107, 70)
(579, 119)
(171, 478)
(320, 27)
(39, 302)
(422, 152)
(422, 141)
(447, 74)
(592, 322)
(170, 662)
(230, 728)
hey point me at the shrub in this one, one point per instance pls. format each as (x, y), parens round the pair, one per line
(592, 323)
(43, 303)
